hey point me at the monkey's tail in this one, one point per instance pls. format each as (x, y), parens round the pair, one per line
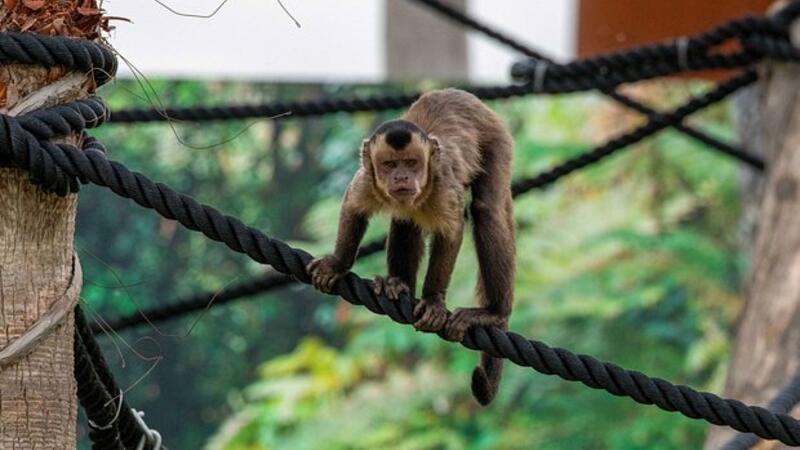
(486, 379)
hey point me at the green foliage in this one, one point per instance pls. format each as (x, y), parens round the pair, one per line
(634, 261)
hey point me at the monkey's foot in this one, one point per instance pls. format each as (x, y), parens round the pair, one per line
(324, 273)
(464, 318)
(431, 313)
(392, 287)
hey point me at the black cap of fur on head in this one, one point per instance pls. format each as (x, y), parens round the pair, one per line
(398, 133)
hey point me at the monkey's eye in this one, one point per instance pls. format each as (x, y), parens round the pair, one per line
(411, 163)
(390, 164)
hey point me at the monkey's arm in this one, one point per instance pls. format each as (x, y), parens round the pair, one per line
(432, 311)
(404, 251)
(325, 271)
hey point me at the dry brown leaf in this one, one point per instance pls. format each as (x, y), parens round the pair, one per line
(58, 26)
(84, 11)
(27, 25)
(33, 4)
(120, 18)
(3, 94)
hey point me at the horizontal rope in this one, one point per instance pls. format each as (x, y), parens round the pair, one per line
(697, 52)
(378, 103)
(53, 51)
(266, 283)
(93, 166)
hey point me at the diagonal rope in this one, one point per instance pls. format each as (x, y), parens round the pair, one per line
(470, 22)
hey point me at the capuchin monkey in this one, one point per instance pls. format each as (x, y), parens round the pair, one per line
(417, 169)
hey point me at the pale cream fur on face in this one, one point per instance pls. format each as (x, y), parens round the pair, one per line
(401, 175)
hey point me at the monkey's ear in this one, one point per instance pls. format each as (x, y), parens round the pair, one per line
(366, 158)
(435, 148)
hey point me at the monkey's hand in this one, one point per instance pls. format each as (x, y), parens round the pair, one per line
(392, 287)
(464, 318)
(325, 272)
(431, 314)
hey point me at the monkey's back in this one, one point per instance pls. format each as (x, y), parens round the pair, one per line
(466, 128)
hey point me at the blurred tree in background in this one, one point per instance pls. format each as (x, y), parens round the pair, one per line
(634, 261)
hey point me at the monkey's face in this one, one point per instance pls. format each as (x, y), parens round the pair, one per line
(401, 161)
(401, 175)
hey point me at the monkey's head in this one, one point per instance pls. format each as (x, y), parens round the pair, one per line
(400, 156)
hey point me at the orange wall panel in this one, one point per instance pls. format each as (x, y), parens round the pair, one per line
(608, 25)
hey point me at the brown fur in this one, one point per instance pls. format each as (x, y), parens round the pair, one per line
(459, 144)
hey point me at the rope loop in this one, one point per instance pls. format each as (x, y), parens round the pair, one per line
(150, 437)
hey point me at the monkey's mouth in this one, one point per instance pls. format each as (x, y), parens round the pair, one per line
(403, 192)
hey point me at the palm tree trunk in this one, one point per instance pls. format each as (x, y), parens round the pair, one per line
(765, 356)
(38, 406)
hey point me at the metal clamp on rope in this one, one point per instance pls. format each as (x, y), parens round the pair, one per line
(151, 437)
(539, 75)
(682, 47)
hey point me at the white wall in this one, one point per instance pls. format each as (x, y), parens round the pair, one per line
(340, 40)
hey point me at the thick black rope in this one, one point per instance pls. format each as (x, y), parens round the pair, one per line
(265, 283)
(782, 403)
(130, 433)
(470, 22)
(23, 133)
(667, 58)
(93, 166)
(101, 407)
(389, 102)
(52, 51)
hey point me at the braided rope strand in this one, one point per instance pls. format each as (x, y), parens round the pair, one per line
(130, 433)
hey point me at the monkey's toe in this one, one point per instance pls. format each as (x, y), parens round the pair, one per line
(458, 324)
(433, 316)
(455, 332)
(378, 285)
(395, 287)
(325, 281)
(392, 287)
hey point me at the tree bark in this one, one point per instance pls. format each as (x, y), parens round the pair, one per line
(419, 44)
(38, 407)
(766, 353)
